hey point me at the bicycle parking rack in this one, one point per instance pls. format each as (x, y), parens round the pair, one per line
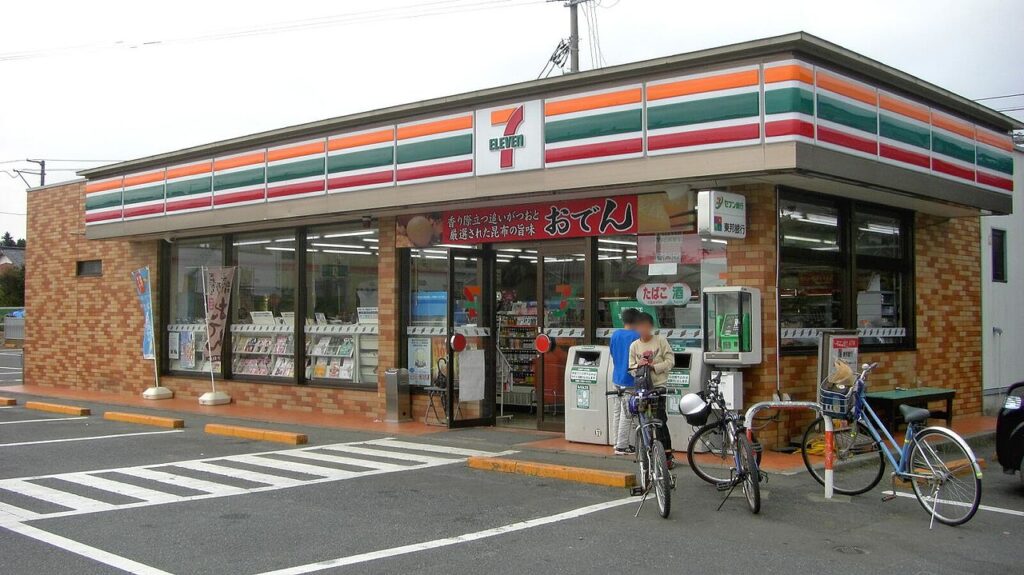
(792, 406)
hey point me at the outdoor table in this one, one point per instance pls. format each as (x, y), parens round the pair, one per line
(889, 403)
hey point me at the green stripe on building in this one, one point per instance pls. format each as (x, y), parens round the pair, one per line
(253, 177)
(901, 131)
(295, 170)
(434, 149)
(147, 194)
(788, 101)
(592, 126)
(995, 161)
(834, 110)
(361, 160)
(186, 188)
(953, 147)
(103, 201)
(703, 111)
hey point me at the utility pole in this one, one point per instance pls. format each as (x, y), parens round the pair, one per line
(574, 34)
(42, 170)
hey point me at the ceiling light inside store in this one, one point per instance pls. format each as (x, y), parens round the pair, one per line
(374, 240)
(620, 242)
(616, 250)
(435, 252)
(277, 249)
(347, 234)
(352, 252)
(880, 229)
(284, 240)
(342, 246)
(252, 243)
(516, 250)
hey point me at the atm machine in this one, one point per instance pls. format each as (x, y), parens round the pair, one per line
(588, 376)
(686, 376)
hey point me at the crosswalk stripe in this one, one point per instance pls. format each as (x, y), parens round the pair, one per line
(378, 465)
(183, 481)
(427, 448)
(62, 498)
(353, 448)
(275, 480)
(8, 512)
(294, 466)
(148, 495)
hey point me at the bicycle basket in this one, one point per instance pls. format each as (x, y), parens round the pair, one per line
(837, 400)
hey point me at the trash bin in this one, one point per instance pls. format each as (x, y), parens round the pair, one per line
(397, 398)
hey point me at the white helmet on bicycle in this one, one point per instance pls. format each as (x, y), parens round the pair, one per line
(693, 407)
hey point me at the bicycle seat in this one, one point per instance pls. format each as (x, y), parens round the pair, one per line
(914, 414)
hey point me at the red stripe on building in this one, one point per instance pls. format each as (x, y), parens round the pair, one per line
(631, 146)
(189, 204)
(952, 169)
(789, 128)
(360, 180)
(905, 156)
(297, 189)
(102, 216)
(434, 170)
(995, 181)
(846, 140)
(704, 137)
(144, 210)
(235, 197)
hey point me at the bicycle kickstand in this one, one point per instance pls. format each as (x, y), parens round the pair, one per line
(642, 501)
(732, 487)
(935, 505)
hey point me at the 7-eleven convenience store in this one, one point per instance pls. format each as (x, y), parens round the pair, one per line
(366, 242)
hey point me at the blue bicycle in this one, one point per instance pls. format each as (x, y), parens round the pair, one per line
(937, 463)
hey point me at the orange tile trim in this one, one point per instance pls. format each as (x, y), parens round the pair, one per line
(846, 88)
(994, 139)
(189, 170)
(141, 419)
(593, 102)
(788, 72)
(953, 125)
(57, 408)
(145, 178)
(356, 140)
(915, 111)
(102, 185)
(257, 434)
(238, 161)
(435, 127)
(548, 470)
(307, 149)
(700, 85)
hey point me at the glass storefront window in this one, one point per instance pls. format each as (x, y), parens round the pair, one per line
(263, 304)
(878, 235)
(808, 225)
(427, 310)
(341, 304)
(186, 332)
(810, 296)
(879, 301)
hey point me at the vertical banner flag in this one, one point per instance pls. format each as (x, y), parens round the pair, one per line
(218, 297)
(141, 279)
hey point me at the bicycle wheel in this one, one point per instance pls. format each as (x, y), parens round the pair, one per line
(859, 462)
(945, 476)
(749, 472)
(662, 479)
(711, 454)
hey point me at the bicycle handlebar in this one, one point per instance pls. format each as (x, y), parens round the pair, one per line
(660, 390)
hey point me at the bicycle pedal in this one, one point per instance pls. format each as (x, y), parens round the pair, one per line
(723, 485)
(636, 491)
(890, 497)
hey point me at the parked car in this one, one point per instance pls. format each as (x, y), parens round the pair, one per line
(1010, 431)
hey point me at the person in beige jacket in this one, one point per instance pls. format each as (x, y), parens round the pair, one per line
(653, 350)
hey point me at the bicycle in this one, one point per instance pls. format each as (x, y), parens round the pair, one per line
(651, 460)
(938, 463)
(724, 439)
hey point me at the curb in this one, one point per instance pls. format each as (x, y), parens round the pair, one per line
(563, 472)
(6, 401)
(257, 434)
(141, 419)
(58, 408)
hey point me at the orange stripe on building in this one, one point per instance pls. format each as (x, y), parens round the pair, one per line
(789, 72)
(356, 140)
(848, 89)
(146, 178)
(903, 107)
(701, 85)
(189, 170)
(307, 149)
(238, 161)
(995, 139)
(435, 127)
(630, 96)
(500, 117)
(102, 185)
(953, 125)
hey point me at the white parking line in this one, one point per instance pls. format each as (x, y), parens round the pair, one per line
(41, 420)
(982, 507)
(20, 443)
(427, 545)
(84, 550)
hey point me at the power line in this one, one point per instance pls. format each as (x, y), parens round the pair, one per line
(998, 97)
(58, 160)
(12, 214)
(1017, 109)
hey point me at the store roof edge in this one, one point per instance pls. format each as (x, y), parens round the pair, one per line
(797, 42)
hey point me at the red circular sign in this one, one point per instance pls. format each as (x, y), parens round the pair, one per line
(542, 343)
(458, 342)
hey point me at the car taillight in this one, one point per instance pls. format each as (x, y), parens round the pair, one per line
(1012, 402)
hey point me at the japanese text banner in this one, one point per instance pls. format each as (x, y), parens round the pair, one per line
(542, 221)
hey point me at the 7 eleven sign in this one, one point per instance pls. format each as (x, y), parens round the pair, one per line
(509, 138)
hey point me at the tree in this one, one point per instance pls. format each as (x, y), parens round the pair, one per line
(7, 240)
(12, 287)
(21, 242)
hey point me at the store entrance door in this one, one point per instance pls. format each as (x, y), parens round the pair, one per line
(565, 304)
(470, 401)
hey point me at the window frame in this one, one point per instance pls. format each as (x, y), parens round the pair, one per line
(1004, 277)
(849, 261)
(88, 274)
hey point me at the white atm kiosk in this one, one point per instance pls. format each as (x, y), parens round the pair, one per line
(588, 376)
(686, 376)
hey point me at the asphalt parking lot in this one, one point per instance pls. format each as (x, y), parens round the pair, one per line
(86, 495)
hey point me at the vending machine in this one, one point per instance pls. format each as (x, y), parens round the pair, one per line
(588, 376)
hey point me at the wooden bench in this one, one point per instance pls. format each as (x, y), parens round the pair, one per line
(887, 403)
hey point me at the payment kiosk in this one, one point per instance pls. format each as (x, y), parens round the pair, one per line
(588, 376)
(686, 376)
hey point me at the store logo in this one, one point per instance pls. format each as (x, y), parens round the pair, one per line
(510, 139)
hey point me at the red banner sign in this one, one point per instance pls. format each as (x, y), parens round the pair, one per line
(541, 221)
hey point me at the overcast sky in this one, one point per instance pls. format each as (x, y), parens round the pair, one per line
(118, 80)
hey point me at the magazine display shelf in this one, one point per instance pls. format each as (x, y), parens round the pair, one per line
(186, 348)
(342, 353)
(263, 350)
